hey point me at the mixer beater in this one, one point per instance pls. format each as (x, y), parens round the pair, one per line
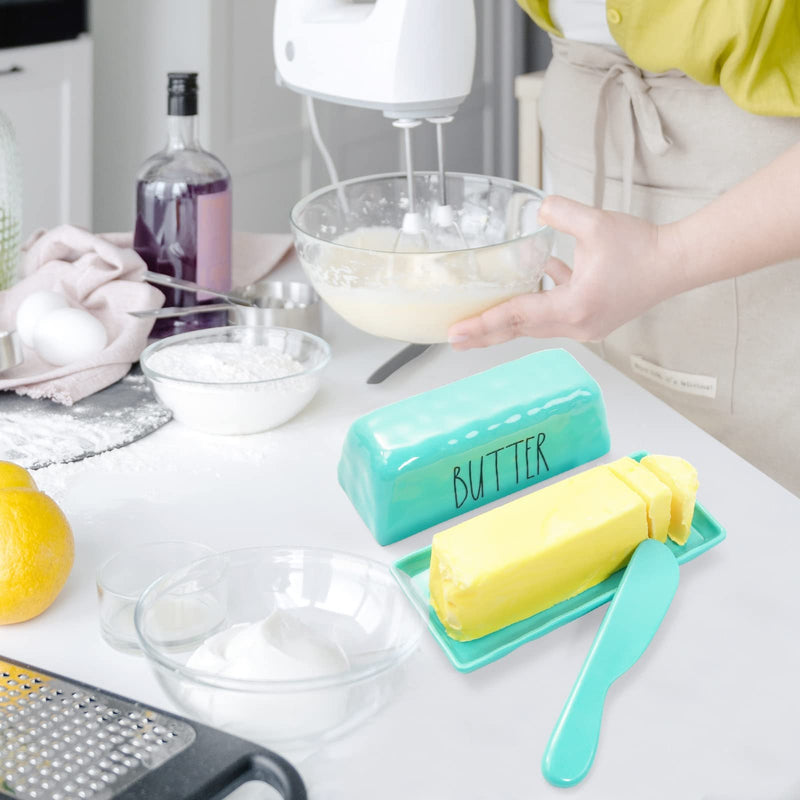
(443, 214)
(411, 236)
(442, 230)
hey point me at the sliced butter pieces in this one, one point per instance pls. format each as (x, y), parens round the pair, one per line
(654, 492)
(681, 479)
(527, 555)
(523, 557)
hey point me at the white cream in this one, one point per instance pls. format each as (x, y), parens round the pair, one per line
(278, 648)
(413, 295)
(412, 316)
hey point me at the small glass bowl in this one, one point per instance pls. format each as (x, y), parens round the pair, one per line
(240, 407)
(353, 602)
(124, 576)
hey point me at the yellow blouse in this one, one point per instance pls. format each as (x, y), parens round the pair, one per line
(751, 48)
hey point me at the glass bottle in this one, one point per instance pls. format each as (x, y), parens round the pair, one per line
(183, 212)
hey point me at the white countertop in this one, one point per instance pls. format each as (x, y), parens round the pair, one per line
(709, 712)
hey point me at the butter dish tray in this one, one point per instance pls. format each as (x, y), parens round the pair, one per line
(413, 573)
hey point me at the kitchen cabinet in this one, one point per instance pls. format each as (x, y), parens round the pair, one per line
(46, 91)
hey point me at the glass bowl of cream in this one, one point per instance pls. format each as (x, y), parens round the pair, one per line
(239, 379)
(404, 265)
(307, 642)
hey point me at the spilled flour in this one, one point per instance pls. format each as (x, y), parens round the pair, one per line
(37, 433)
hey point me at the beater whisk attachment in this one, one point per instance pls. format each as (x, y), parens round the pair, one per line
(411, 237)
(443, 215)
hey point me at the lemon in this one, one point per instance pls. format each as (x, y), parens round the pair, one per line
(36, 547)
(12, 475)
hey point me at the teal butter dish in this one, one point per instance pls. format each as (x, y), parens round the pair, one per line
(428, 458)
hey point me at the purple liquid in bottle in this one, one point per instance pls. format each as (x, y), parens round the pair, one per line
(183, 230)
(183, 213)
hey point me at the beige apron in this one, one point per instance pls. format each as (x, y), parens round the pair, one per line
(660, 146)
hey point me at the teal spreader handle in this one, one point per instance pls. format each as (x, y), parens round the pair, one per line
(573, 743)
(637, 608)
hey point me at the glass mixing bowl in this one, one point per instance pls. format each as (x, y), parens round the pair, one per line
(346, 602)
(483, 248)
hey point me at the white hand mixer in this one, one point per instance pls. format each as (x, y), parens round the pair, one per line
(411, 59)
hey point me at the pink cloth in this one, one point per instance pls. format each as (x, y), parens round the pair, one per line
(95, 274)
(103, 275)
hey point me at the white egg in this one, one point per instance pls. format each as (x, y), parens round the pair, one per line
(67, 335)
(33, 309)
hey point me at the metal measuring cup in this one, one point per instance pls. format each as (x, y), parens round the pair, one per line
(285, 304)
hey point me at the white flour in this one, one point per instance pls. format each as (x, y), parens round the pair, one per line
(237, 390)
(229, 362)
(167, 457)
(36, 433)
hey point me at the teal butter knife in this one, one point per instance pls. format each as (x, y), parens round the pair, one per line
(637, 608)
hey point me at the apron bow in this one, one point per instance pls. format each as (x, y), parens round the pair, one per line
(642, 118)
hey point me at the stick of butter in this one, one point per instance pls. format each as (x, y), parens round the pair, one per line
(656, 495)
(516, 560)
(681, 479)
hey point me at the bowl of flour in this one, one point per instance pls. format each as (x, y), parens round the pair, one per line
(238, 379)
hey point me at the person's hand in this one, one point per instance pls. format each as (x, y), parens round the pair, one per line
(623, 266)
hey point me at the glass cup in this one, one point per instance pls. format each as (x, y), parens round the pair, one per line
(123, 577)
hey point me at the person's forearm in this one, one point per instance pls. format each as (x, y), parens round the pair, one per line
(752, 225)
(623, 265)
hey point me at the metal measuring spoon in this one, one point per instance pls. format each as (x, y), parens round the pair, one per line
(288, 304)
(179, 283)
(10, 350)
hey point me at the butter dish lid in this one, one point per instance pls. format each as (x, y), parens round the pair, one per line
(449, 411)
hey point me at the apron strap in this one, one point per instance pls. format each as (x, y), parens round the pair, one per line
(642, 117)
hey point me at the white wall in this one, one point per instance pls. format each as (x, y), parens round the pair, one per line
(257, 128)
(135, 45)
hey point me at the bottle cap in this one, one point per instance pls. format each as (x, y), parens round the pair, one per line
(182, 94)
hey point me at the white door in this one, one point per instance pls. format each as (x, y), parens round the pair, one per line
(46, 92)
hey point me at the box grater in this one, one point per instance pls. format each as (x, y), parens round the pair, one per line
(65, 740)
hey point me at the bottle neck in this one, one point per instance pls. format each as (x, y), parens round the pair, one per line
(182, 133)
